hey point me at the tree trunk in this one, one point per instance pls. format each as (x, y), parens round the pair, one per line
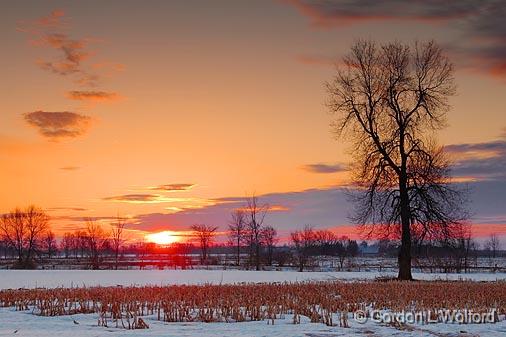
(238, 251)
(405, 250)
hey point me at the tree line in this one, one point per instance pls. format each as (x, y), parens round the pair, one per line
(250, 240)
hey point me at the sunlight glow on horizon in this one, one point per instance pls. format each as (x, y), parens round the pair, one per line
(163, 238)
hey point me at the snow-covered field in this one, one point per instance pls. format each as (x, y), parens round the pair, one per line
(23, 323)
(11, 279)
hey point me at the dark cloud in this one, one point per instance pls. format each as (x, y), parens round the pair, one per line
(318, 207)
(324, 168)
(321, 208)
(57, 125)
(341, 12)
(94, 96)
(173, 187)
(486, 161)
(480, 45)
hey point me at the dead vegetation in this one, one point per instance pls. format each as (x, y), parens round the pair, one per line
(322, 302)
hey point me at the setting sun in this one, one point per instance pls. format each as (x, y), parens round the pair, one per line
(163, 238)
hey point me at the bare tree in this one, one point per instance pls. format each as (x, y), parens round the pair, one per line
(67, 244)
(117, 238)
(269, 239)
(303, 241)
(256, 213)
(80, 243)
(49, 244)
(95, 237)
(205, 235)
(13, 232)
(390, 100)
(493, 244)
(342, 250)
(23, 231)
(325, 240)
(237, 232)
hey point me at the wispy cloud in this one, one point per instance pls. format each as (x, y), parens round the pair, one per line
(57, 125)
(93, 96)
(145, 198)
(72, 53)
(324, 168)
(137, 198)
(173, 187)
(50, 32)
(77, 209)
(69, 168)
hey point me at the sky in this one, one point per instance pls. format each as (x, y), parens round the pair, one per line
(170, 113)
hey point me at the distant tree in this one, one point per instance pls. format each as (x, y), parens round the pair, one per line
(255, 213)
(23, 230)
(390, 99)
(269, 240)
(237, 232)
(342, 250)
(117, 238)
(205, 235)
(493, 244)
(325, 241)
(469, 248)
(303, 241)
(352, 248)
(49, 244)
(95, 238)
(364, 245)
(67, 244)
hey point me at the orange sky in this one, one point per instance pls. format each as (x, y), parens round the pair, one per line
(226, 98)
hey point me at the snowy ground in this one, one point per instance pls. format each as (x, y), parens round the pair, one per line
(12, 279)
(14, 323)
(24, 323)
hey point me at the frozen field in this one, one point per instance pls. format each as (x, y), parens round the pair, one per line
(10, 279)
(14, 323)
(24, 323)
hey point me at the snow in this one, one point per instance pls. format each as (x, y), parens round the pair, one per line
(23, 323)
(13, 279)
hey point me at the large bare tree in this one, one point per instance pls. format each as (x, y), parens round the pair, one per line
(390, 100)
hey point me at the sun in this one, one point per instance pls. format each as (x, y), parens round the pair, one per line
(163, 238)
